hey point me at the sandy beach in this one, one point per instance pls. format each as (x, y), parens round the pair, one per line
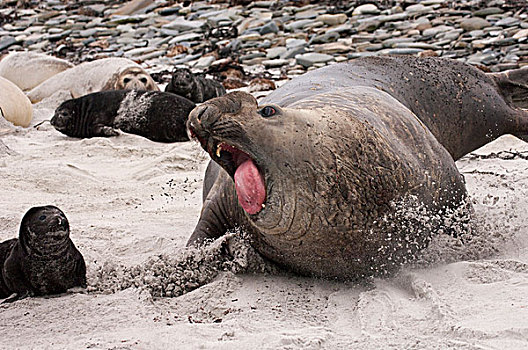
(129, 199)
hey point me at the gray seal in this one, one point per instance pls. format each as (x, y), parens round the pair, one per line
(43, 260)
(158, 116)
(347, 171)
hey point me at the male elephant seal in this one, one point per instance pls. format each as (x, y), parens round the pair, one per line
(156, 115)
(14, 104)
(43, 260)
(346, 171)
(28, 69)
(196, 88)
(104, 74)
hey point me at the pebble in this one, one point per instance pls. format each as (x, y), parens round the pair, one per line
(309, 59)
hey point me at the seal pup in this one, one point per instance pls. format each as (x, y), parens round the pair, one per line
(156, 115)
(15, 107)
(347, 171)
(194, 87)
(28, 69)
(43, 260)
(104, 74)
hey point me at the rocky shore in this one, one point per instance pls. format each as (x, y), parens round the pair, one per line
(267, 40)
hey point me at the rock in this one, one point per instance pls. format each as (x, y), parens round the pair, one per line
(366, 9)
(523, 33)
(275, 52)
(507, 22)
(474, 23)
(487, 11)
(204, 62)
(332, 20)
(290, 43)
(311, 58)
(325, 38)
(6, 41)
(184, 25)
(331, 48)
(275, 63)
(292, 52)
(268, 28)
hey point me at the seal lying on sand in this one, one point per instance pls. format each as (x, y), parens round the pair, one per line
(196, 88)
(14, 104)
(28, 69)
(43, 260)
(346, 171)
(104, 74)
(158, 116)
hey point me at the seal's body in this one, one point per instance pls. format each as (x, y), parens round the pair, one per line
(28, 69)
(347, 171)
(14, 104)
(43, 260)
(156, 115)
(194, 87)
(99, 75)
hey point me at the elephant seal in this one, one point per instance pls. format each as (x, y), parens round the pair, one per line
(194, 87)
(43, 260)
(347, 171)
(14, 104)
(104, 74)
(156, 115)
(29, 69)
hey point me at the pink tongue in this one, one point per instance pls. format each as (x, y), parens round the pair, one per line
(250, 187)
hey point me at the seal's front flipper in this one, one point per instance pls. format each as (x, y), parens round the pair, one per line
(105, 131)
(513, 85)
(15, 296)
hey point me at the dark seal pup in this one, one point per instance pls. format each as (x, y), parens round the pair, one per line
(43, 260)
(348, 170)
(194, 87)
(158, 116)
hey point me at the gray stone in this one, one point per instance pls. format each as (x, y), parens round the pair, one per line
(366, 9)
(275, 52)
(291, 53)
(507, 22)
(394, 41)
(311, 58)
(325, 38)
(275, 63)
(332, 20)
(308, 14)
(184, 25)
(435, 30)
(295, 42)
(474, 23)
(88, 32)
(270, 27)
(7, 41)
(487, 11)
(204, 62)
(185, 37)
(298, 24)
(405, 51)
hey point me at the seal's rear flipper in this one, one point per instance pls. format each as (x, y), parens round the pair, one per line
(14, 297)
(513, 85)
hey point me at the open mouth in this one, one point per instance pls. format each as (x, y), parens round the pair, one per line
(249, 180)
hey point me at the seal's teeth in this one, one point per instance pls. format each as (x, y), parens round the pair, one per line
(218, 149)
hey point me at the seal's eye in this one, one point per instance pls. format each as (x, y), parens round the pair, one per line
(42, 217)
(268, 111)
(143, 81)
(126, 80)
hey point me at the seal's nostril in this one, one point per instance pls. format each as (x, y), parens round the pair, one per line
(201, 112)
